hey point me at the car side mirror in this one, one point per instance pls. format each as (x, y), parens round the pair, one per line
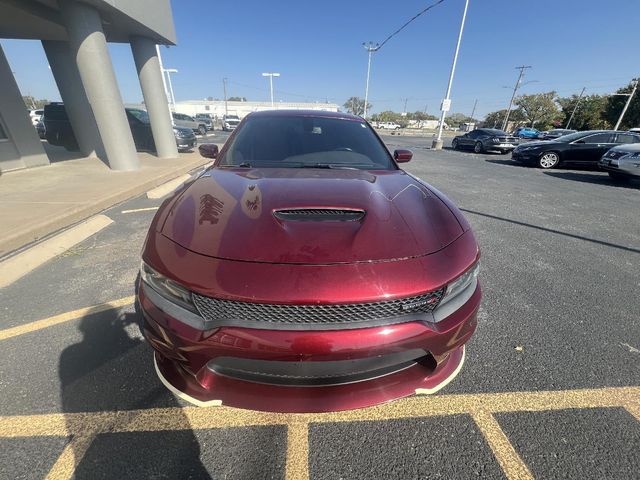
(208, 150)
(402, 156)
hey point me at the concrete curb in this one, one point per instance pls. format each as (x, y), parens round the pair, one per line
(10, 245)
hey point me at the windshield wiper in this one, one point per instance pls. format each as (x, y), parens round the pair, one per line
(328, 165)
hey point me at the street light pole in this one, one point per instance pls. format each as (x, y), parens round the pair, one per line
(370, 47)
(446, 103)
(515, 90)
(576, 107)
(164, 81)
(224, 87)
(626, 105)
(271, 75)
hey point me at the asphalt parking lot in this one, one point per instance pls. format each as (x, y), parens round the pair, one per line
(550, 387)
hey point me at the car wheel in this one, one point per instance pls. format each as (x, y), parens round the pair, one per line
(202, 130)
(504, 152)
(454, 144)
(549, 160)
(478, 148)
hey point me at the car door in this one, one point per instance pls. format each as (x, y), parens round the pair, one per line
(589, 149)
(467, 139)
(190, 122)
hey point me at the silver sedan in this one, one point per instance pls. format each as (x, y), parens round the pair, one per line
(622, 162)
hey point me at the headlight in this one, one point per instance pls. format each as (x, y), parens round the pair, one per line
(167, 288)
(460, 283)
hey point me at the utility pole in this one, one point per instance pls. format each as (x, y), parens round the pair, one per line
(515, 90)
(425, 108)
(224, 87)
(576, 107)
(446, 103)
(271, 75)
(626, 105)
(405, 105)
(369, 47)
(475, 104)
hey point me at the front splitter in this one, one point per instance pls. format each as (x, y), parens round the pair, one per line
(231, 392)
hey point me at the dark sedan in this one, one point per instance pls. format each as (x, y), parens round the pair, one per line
(485, 139)
(581, 148)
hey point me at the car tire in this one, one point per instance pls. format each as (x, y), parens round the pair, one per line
(478, 148)
(504, 152)
(618, 177)
(549, 160)
(454, 144)
(202, 130)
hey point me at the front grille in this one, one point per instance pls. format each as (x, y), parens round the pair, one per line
(219, 311)
(319, 214)
(615, 154)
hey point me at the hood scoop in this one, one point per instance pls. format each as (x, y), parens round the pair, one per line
(319, 214)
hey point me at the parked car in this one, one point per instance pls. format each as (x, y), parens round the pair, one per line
(230, 122)
(253, 287)
(36, 116)
(622, 162)
(388, 125)
(182, 120)
(485, 139)
(58, 130)
(206, 119)
(555, 133)
(41, 130)
(526, 132)
(582, 148)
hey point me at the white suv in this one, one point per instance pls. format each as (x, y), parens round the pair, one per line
(389, 125)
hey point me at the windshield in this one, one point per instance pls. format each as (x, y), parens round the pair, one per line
(572, 136)
(140, 115)
(298, 141)
(494, 131)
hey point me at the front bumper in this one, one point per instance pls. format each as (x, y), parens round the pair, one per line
(186, 142)
(524, 157)
(623, 166)
(306, 371)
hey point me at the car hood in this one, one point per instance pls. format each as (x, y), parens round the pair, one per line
(229, 214)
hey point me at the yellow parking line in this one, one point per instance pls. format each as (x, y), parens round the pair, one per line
(297, 451)
(64, 317)
(510, 462)
(135, 210)
(70, 458)
(480, 406)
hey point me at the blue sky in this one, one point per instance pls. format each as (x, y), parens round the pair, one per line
(317, 48)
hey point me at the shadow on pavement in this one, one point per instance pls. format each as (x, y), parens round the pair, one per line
(509, 163)
(595, 178)
(111, 369)
(551, 230)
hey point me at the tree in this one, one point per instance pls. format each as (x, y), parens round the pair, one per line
(355, 105)
(418, 115)
(540, 109)
(495, 119)
(237, 99)
(614, 107)
(590, 114)
(455, 119)
(32, 103)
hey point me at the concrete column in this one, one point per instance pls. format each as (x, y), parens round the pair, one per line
(65, 72)
(155, 99)
(21, 148)
(89, 45)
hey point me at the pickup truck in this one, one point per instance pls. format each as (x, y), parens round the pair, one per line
(388, 125)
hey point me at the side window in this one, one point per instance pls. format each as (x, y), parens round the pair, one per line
(474, 134)
(598, 138)
(187, 117)
(626, 138)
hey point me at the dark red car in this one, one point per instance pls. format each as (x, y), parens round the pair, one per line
(305, 272)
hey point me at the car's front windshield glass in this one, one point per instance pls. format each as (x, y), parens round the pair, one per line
(140, 115)
(571, 137)
(299, 141)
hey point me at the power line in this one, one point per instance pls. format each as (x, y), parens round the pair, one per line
(408, 22)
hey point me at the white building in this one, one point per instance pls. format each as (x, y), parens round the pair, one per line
(241, 109)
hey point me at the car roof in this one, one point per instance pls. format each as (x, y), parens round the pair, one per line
(307, 113)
